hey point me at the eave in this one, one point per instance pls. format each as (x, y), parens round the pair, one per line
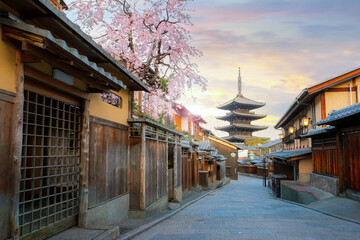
(240, 126)
(42, 44)
(43, 14)
(235, 115)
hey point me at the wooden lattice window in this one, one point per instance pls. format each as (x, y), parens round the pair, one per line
(49, 181)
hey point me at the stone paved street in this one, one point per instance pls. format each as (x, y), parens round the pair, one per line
(244, 209)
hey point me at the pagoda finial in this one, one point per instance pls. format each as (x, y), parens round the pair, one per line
(239, 84)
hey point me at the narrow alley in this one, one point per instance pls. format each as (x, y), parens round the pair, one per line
(245, 209)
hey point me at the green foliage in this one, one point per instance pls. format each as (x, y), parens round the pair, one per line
(187, 136)
(254, 141)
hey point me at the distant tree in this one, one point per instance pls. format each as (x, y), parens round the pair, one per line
(151, 37)
(254, 141)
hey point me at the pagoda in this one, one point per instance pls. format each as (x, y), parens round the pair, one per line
(240, 117)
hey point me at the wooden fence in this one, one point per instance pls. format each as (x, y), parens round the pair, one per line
(108, 160)
(149, 151)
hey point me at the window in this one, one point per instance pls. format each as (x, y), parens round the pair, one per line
(111, 99)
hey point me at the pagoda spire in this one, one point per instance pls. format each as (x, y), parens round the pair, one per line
(239, 84)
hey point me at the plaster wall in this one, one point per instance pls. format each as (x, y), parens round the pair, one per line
(317, 108)
(338, 100)
(184, 124)
(106, 111)
(7, 66)
(305, 169)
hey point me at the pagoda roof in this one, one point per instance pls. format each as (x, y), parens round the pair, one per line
(241, 102)
(237, 138)
(229, 128)
(238, 115)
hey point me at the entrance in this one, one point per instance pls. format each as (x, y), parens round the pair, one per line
(49, 185)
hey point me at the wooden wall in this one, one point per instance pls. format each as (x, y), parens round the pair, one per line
(351, 155)
(155, 172)
(179, 166)
(107, 160)
(324, 156)
(230, 161)
(6, 121)
(187, 170)
(135, 149)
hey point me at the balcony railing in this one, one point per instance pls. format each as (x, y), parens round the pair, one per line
(289, 138)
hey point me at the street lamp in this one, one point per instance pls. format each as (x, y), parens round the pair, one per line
(305, 121)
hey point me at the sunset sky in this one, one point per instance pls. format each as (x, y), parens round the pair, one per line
(281, 47)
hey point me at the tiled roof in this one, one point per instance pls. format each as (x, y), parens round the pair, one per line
(241, 126)
(271, 143)
(318, 131)
(341, 114)
(186, 144)
(289, 154)
(62, 44)
(236, 138)
(241, 101)
(205, 146)
(241, 115)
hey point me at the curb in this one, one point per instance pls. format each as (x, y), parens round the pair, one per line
(316, 210)
(139, 230)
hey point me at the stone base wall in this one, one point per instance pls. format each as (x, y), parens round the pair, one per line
(352, 194)
(110, 212)
(326, 183)
(155, 208)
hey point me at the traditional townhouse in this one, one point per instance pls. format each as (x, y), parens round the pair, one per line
(64, 105)
(311, 105)
(230, 152)
(336, 153)
(188, 122)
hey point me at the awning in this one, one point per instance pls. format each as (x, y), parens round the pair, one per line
(319, 131)
(284, 155)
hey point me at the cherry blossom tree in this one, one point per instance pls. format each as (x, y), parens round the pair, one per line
(151, 38)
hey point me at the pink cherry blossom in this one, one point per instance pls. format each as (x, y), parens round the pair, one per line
(151, 36)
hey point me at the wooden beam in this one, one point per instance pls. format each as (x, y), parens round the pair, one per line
(17, 136)
(342, 89)
(158, 170)
(53, 60)
(323, 106)
(26, 58)
(84, 164)
(54, 83)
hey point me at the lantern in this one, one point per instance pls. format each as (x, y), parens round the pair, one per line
(281, 135)
(291, 130)
(305, 121)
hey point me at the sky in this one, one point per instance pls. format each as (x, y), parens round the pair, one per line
(282, 47)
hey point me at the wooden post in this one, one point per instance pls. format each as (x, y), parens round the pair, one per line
(84, 164)
(128, 164)
(158, 170)
(167, 162)
(175, 166)
(142, 168)
(341, 159)
(180, 167)
(17, 136)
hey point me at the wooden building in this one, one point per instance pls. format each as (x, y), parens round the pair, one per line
(312, 105)
(190, 169)
(336, 153)
(64, 148)
(240, 117)
(230, 152)
(189, 122)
